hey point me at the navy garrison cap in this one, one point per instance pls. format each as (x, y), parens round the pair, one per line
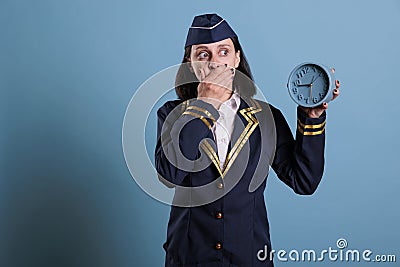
(208, 28)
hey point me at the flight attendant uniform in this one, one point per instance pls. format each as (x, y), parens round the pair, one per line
(222, 219)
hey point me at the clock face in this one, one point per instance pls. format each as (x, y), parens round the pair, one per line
(309, 85)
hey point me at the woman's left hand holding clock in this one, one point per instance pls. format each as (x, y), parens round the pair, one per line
(316, 112)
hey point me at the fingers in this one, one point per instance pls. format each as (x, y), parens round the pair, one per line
(225, 78)
(316, 112)
(216, 82)
(336, 91)
(323, 106)
(214, 73)
(225, 81)
(220, 70)
(319, 109)
(337, 83)
(202, 75)
(201, 84)
(221, 75)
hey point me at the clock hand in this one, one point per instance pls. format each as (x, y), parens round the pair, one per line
(310, 91)
(316, 78)
(312, 81)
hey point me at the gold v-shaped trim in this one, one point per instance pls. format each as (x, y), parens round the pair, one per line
(212, 155)
(252, 124)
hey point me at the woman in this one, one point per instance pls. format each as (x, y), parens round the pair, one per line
(212, 144)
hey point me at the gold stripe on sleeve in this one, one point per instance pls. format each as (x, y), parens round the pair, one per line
(311, 126)
(310, 133)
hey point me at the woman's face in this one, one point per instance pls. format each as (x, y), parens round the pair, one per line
(208, 56)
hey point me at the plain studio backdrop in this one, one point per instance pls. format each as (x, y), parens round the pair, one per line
(68, 70)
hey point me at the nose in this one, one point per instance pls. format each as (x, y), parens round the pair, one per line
(214, 62)
(212, 65)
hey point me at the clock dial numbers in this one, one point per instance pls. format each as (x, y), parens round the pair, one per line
(300, 74)
(305, 70)
(309, 85)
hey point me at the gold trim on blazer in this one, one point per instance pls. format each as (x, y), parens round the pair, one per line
(212, 155)
(206, 112)
(198, 116)
(304, 128)
(252, 124)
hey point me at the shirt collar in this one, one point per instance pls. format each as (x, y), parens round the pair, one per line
(233, 102)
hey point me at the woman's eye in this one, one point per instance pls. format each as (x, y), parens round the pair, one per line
(203, 55)
(224, 52)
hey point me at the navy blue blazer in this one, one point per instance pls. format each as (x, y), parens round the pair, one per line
(227, 224)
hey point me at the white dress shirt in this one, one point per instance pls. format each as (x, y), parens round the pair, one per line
(223, 127)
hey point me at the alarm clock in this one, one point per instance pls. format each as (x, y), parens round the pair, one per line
(311, 84)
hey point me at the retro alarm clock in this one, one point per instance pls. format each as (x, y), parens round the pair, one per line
(311, 84)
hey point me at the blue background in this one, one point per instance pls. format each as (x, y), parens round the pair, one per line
(69, 68)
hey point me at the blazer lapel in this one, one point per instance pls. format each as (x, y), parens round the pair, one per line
(245, 124)
(242, 131)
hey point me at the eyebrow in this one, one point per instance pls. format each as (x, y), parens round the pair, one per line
(201, 47)
(206, 47)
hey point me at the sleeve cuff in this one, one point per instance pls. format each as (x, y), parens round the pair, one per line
(310, 126)
(202, 110)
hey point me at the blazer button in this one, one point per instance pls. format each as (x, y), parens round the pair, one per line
(218, 246)
(220, 185)
(218, 215)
